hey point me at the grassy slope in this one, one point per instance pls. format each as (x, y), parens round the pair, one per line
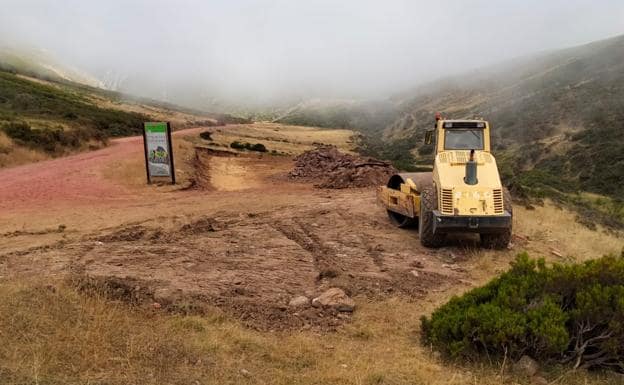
(23, 99)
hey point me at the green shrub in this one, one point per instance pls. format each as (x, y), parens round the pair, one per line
(565, 313)
(258, 147)
(47, 139)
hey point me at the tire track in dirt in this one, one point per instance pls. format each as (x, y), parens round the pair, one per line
(296, 231)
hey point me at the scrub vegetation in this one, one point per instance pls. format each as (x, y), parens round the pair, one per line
(54, 120)
(258, 147)
(572, 314)
(25, 99)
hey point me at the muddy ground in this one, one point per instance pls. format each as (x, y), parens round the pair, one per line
(250, 264)
(243, 240)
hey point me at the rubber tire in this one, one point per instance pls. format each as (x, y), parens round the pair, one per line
(428, 203)
(500, 241)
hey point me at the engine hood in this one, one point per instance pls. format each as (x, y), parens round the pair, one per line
(455, 197)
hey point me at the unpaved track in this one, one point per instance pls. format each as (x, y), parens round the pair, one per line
(75, 180)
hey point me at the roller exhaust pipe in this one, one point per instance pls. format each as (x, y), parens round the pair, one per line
(471, 170)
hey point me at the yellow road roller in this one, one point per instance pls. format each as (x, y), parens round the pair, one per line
(463, 193)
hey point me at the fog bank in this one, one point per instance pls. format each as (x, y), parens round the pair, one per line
(266, 51)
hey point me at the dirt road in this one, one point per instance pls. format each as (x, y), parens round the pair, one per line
(76, 180)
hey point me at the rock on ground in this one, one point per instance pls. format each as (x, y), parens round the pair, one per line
(299, 301)
(335, 298)
(526, 366)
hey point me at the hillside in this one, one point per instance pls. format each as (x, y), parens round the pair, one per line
(40, 64)
(557, 117)
(41, 118)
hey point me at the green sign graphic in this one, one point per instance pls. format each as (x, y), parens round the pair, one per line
(156, 127)
(158, 151)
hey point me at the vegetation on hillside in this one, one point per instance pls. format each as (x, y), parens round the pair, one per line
(559, 114)
(557, 124)
(52, 119)
(369, 119)
(38, 64)
(565, 313)
(366, 117)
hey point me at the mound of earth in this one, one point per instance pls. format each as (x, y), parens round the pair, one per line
(333, 169)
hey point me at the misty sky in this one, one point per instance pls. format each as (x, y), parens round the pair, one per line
(193, 51)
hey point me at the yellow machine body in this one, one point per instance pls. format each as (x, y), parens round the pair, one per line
(457, 198)
(462, 204)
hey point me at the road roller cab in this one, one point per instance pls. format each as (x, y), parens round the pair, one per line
(463, 193)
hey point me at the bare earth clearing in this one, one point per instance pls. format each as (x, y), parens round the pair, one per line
(237, 236)
(247, 243)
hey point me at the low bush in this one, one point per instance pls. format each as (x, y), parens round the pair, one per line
(565, 313)
(258, 147)
(48, 139)
(206, 135)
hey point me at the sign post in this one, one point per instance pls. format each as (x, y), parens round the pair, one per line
(158, 150)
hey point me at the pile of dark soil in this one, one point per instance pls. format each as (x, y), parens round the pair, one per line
(333, 169)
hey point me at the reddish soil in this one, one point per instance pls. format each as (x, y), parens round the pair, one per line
(76, 179)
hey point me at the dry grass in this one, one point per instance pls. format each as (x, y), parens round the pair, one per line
(12, 154)
(552, 229)
(5, 142)
(53, 335)
(283, 138)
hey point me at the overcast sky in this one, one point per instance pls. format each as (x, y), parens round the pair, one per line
(264, 50)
